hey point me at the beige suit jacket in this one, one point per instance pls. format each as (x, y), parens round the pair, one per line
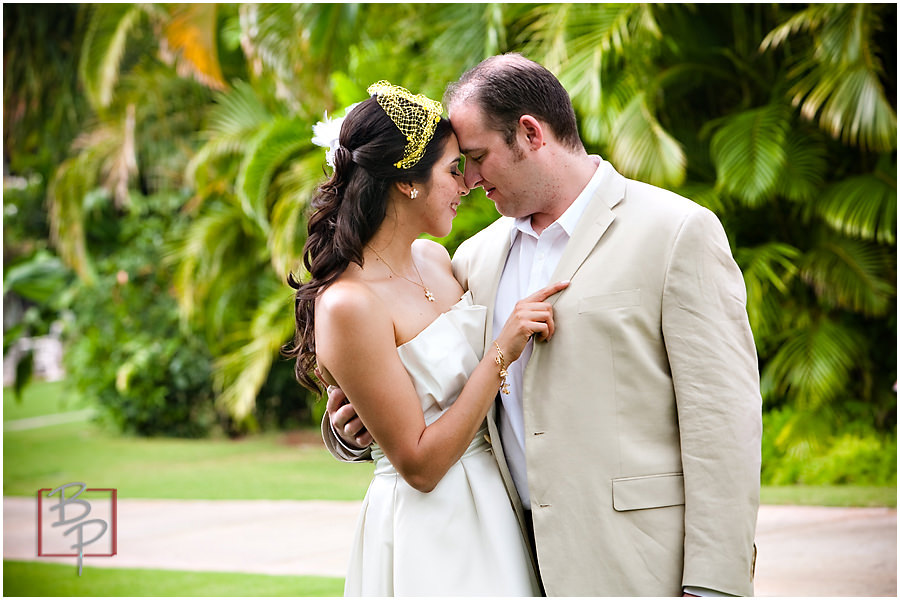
(643, 413)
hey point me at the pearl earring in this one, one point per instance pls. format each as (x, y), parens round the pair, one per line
(414, 194)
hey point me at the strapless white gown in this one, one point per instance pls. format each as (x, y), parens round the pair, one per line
(462, 538)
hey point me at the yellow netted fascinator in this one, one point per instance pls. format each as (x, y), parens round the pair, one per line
(415, 116)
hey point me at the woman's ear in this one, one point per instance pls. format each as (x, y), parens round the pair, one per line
(531, 129)
(407, 188)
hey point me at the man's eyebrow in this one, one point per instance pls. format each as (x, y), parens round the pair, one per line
(470, 150)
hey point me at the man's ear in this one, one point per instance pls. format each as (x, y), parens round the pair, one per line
(533, 132)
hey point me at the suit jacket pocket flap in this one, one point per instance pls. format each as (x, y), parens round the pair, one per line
(652, 491)
(610, 301)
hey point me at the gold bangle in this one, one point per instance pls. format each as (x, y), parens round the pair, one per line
(504, 387)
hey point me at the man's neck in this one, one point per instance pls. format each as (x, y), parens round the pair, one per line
(575, 171)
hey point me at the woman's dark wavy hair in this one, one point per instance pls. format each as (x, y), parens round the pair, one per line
(347, 211)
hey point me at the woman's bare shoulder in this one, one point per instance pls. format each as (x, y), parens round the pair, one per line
(351, 321)
(347, 298)
(435, 254)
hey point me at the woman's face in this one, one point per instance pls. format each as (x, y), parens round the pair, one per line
(443, 193)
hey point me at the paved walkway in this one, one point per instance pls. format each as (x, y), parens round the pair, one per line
(75, 416)
(803, 551)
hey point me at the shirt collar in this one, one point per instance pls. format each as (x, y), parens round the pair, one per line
(569, 219)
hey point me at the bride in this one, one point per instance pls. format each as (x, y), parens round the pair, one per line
(383, 317)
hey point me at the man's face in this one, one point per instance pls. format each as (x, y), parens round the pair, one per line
(491, 163)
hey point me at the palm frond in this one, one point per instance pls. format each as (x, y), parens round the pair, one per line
(810, 18)
(803, 175)
(168, 112)
(556, 31)
(544, 39)
(73, 180)
(768, 272)
(122, 166)
(270, 149)
(468, 34)
(837, 78)
(849, 274)
(814, 364)
(109, 148)
(582, 42)
(103, 48)
(237, 111)
(749, 153)
(862, 206)
(192, 32)
(200, 165)
(597, 121)
(213, 254)
(642, 149)
(240, 374)
(104, 157)
(269, 39)
(850, 104)
(844, 36)
(283, 41)
(329, 29)
(295, 189)
(233, 122)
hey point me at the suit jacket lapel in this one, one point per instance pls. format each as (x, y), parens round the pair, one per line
(597, 218)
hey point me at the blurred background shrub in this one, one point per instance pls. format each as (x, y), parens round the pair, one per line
(127, 347)
(860, 455)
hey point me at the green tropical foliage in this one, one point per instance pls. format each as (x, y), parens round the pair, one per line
(780, 118)
(127, 349)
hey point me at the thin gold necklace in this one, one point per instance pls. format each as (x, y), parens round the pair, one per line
(428, 295)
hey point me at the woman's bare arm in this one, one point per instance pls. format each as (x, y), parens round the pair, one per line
(356, 344)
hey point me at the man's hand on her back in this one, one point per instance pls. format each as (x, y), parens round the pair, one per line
(345, 421)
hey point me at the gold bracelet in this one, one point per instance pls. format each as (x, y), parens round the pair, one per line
(504, 387)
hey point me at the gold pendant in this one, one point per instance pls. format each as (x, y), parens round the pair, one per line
(429, 295)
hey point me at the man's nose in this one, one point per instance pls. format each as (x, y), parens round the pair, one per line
(472, 176)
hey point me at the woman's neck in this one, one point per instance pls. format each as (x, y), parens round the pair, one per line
(392, 245)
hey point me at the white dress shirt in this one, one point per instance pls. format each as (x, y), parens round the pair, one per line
(531, 261)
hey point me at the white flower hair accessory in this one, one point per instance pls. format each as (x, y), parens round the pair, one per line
(327, 134)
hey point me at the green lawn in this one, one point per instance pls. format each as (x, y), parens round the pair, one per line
(259, 467)
(264, 466)
(40, 398)
(830, 495)
(49, 579)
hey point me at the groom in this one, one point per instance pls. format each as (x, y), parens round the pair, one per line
(630, 443)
